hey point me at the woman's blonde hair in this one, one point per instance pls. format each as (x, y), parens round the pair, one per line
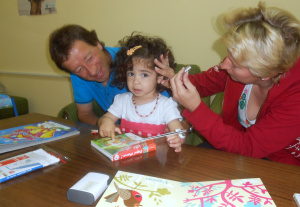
(265, 40)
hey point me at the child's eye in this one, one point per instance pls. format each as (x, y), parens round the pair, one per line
(130, 74)
(145, 75)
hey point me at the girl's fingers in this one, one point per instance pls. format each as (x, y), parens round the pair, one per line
(178, 149)
(118, 130)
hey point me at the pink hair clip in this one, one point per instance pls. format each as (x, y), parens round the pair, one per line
(131, 51)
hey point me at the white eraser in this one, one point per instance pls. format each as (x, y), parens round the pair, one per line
(88, 189)
(297, 199)
(187, 69)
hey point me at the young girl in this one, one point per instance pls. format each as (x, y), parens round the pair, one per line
(143, 110)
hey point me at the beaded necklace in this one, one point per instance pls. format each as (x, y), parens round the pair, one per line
(135, 107)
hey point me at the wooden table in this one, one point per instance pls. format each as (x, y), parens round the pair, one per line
(48, 186)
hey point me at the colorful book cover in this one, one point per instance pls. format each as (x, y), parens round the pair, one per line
(130, 189)
(125, 145)
(33, 134)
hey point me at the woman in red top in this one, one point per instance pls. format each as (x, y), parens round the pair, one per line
(260, 78)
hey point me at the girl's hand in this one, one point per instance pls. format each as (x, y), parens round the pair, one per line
(107, 127)
(106, 130)
(174, 141)
(184, 91)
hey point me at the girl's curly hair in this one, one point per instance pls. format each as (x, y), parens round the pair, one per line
(152, 47)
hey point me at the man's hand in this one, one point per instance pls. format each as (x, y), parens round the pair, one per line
(162, 68)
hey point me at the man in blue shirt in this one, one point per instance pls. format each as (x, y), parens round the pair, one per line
(79, 52)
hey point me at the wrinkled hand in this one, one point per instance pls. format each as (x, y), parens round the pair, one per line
(184, 91)
(174, 141)
(162, 68)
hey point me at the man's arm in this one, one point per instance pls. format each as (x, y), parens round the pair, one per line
(86, 113)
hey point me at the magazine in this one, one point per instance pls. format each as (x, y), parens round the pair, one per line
(33, 134)
(25, 163)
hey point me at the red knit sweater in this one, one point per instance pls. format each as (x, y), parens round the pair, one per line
(276, 133)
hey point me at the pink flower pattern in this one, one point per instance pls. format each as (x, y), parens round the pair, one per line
(231, 195)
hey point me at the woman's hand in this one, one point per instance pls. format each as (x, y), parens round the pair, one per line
(184, 91)
(162, 68)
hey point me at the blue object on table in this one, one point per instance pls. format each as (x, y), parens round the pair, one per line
(7, 101)
(14, 106)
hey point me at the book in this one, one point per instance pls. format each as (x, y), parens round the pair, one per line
(129, 160)
(125, 145)
(33, 134)
(130, 189)
(25, 163)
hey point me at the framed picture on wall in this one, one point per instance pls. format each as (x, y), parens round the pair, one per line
(36, 7)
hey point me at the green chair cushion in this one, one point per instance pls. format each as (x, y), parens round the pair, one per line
(22, 108)
(217, 103)
(70, 111)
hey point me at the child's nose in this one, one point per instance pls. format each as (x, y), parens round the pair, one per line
(136, 80)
